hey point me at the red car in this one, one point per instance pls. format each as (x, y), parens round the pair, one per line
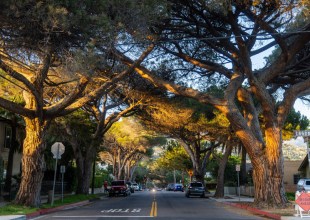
(119, 187)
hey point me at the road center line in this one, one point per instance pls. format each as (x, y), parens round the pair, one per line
(153, 212)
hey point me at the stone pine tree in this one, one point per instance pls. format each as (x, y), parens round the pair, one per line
(48, 52)
(195, 126)
(216, 43)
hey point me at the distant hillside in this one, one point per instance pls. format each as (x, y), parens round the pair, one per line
(291, 151)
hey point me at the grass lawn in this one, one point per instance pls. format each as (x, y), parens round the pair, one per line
(12, 209)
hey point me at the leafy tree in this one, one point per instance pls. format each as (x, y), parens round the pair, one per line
(230, 175)
(216, 43)
(294, 121)
(125, 144)
(56, 54)
(196, 127)
(173, 159)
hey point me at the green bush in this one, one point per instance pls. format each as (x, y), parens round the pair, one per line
(98, 181)
(290, 196)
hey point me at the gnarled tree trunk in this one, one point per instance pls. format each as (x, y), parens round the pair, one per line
(32, 163)
(219, 193)
(267, 160)
(84, 169)
(268, 172)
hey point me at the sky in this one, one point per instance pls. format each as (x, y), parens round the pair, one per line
(258, 61)
(302, 108)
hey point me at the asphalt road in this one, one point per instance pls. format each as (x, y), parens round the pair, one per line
(160, 205)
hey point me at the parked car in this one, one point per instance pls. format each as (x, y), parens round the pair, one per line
(170, 187)
(303, 185)
(136, 186)
(178, 187)
(195, 189)
(119, 187)
(130, 184)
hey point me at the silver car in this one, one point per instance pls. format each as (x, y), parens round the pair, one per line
(195, 189)
(303, 185)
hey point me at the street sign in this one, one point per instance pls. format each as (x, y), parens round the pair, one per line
(304, 201)
(57, 149)
(190, 172)
(303, 133)
(238, 167)
(62, 169)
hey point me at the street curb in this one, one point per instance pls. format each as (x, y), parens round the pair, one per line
(50, 210)
(254, 210)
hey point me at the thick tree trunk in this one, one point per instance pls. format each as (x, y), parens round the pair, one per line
(268, 172)
(268, 186)
(266, 157)
(84, 166)
(219, 193)
(32, 164)
(199, 176)
(267, 169)
(84, 171)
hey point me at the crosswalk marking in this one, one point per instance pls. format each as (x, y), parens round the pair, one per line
(122, 210)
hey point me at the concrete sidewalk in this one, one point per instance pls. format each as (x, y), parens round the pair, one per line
(233, 200)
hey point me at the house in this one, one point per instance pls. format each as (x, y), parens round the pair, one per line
(303, 169)
(6, 133)
(291, 174)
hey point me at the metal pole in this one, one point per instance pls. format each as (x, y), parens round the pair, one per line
(238, 185)
(62, 187)
(174, 179)
(52, 203)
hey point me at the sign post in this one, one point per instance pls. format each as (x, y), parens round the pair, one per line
(190, 173)
(238, 170)
(62, 171)
(57, 149)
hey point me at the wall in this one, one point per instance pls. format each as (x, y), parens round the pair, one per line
(290, 168)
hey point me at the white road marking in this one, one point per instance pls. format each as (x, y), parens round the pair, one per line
(104, 216)
(121, 210)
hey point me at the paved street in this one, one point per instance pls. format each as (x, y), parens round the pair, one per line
(160, 205)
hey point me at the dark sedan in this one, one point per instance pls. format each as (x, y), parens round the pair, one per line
(195, 189)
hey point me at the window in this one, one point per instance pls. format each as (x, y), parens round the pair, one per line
(8, 137)
(296, 178)
(196, 184)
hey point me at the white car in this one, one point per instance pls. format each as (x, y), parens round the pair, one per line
(136, 186)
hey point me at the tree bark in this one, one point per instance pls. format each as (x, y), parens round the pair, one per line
(219, 193)
(32, 164)
(84, 170)
(267, 161)
(268, 172)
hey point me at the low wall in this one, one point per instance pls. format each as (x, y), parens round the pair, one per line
(244, 190)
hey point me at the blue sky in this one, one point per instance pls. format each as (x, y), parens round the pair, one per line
(258, 61)
(302, 108)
